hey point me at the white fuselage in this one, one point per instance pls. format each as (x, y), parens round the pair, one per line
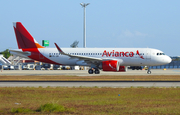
(126, 56)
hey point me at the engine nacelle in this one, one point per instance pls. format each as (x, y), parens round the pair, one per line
(113, 65)
(122, 69)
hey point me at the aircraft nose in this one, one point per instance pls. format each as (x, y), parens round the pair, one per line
(168, 59)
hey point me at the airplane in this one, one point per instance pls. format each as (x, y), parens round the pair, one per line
(105, 59)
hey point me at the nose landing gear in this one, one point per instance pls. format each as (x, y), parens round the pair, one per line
(149, 70)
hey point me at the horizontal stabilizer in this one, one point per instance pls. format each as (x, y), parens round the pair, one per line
(20, 53)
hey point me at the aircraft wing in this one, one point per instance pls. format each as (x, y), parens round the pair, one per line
(85, 58)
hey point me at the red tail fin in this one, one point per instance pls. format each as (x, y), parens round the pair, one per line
(24, 38)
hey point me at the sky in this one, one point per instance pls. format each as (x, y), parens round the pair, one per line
(109, 23)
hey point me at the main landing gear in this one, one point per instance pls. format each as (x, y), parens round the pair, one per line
(91, 71)
(149, 70)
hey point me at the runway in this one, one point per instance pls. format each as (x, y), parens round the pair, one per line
(90, 84)
(85, 72)
(114, 84)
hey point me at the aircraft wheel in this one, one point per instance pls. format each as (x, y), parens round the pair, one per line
(148, 72)
(96, 71)
(90, 71)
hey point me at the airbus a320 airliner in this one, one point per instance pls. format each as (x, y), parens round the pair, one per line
(106, 59)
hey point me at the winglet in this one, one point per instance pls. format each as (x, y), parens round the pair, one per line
(59, 49)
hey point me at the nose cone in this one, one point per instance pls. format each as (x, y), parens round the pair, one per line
(167, 59)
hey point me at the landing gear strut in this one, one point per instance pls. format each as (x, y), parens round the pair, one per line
(91, 71)
(149, 70)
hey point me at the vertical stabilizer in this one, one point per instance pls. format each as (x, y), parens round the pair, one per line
(24, 38)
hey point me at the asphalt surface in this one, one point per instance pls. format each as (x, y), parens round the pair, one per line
(90, 84)
(113, 84)
(85, 72)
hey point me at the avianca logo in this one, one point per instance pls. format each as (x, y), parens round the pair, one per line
(120, 54)
(111, 66)
(139, 54)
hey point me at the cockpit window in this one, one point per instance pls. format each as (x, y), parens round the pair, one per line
(160, 54)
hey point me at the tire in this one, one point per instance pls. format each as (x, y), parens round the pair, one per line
(96, 71)
(90, 71)
(148, 72)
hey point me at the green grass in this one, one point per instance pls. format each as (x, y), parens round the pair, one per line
(21, 110)
(46, 108)
(51, 107)
(84, 100)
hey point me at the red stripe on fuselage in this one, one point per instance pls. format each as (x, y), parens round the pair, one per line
(36, 55)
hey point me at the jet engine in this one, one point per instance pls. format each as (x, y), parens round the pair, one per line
(113, 65)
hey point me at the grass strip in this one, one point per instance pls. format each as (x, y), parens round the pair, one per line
(93, 78)
(85, 100)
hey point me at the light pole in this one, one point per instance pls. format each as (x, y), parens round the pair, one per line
(84, 5)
